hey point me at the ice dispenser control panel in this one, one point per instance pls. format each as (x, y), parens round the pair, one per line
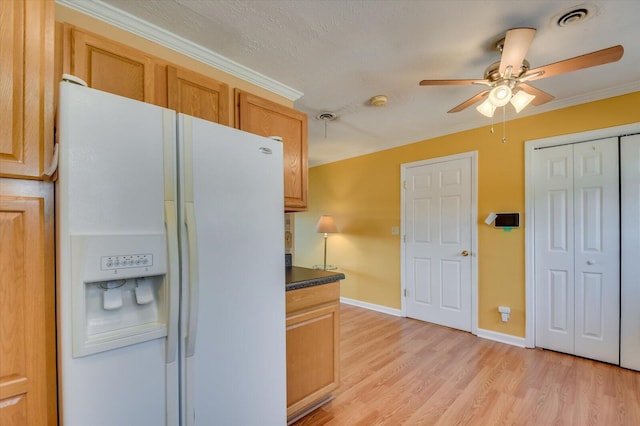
(126, 261)
(108, 257)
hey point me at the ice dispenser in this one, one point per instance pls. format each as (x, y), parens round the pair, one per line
(119, 291)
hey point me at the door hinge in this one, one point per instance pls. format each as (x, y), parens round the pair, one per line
(405, 292)
(404, 238)
(404, 184)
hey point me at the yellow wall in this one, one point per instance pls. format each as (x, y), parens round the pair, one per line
(363, 194)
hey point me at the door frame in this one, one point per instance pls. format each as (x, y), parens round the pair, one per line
(529, 185)
(473, 155)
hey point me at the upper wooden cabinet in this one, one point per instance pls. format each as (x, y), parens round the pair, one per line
(196, 95)
(109, 66)
(115, 68)
(26, 87)
(267, 118)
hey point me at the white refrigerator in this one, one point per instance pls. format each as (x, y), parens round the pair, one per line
(170, 268)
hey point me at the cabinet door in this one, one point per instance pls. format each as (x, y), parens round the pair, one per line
(26, 87)
(27, 319)
(266, 118)
(312, 356)
(111, 67)
(197, 95)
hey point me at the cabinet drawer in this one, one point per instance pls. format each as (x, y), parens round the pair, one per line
(308, 297)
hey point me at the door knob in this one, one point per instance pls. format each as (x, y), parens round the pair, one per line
(465, 253)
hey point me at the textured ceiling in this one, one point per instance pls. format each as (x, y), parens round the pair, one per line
(340, 53)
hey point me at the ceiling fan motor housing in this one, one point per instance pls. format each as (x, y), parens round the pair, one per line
(492, 72)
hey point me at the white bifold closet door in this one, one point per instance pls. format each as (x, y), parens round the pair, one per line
(630, 300)
(577, 249)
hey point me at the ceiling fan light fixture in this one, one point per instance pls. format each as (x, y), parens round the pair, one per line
(500, 95)
(486, 108)
(521, 99)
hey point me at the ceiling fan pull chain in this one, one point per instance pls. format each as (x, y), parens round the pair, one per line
(504, 124)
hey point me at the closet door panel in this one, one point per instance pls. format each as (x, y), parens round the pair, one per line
(577, 274)
(630, 190)
(597, 250)
(554, 255)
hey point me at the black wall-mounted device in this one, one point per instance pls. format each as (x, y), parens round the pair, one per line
(507, 220)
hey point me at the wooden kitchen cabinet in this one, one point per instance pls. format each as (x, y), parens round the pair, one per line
(27, 304)
(266, 118)
(313, 338)
(197, 95)
(109, 66)
(26, 87)
(115, 68)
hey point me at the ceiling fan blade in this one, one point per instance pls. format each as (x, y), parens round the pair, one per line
(469, 102)
(450, 82)
(516, 45)
(541, 97)
(600, 57)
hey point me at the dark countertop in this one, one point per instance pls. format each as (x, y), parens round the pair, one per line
(297, 277)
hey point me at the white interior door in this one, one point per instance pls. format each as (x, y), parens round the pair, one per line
(630, 190)
(438, 221)
(577, 273)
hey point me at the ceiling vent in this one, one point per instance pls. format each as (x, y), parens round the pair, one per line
(574, 15)
(326, 116)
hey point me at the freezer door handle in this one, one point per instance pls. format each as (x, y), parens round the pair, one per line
(172, 281)
(192, 244)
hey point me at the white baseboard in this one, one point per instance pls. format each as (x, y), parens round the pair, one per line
(371, 306)
(485, 334)
(501, 337)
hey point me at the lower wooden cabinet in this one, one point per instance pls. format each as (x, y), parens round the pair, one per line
(313, 342)
(27, 304)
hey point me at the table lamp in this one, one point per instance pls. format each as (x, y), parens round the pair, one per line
(326, 225)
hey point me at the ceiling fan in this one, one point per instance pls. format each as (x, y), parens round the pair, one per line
(507, 80)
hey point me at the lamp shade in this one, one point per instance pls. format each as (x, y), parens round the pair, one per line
(500, 95)
(521, 99)
(326, 225)
(486, 108)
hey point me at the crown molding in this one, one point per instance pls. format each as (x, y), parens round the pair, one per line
(132, 24)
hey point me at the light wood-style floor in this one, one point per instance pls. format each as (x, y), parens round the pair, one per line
(399, 371)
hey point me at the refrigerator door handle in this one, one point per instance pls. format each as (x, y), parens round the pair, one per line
(171, 225)
(192, 324)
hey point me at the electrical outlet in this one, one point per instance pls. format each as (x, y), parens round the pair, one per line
(505, 313)
(395, 230)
